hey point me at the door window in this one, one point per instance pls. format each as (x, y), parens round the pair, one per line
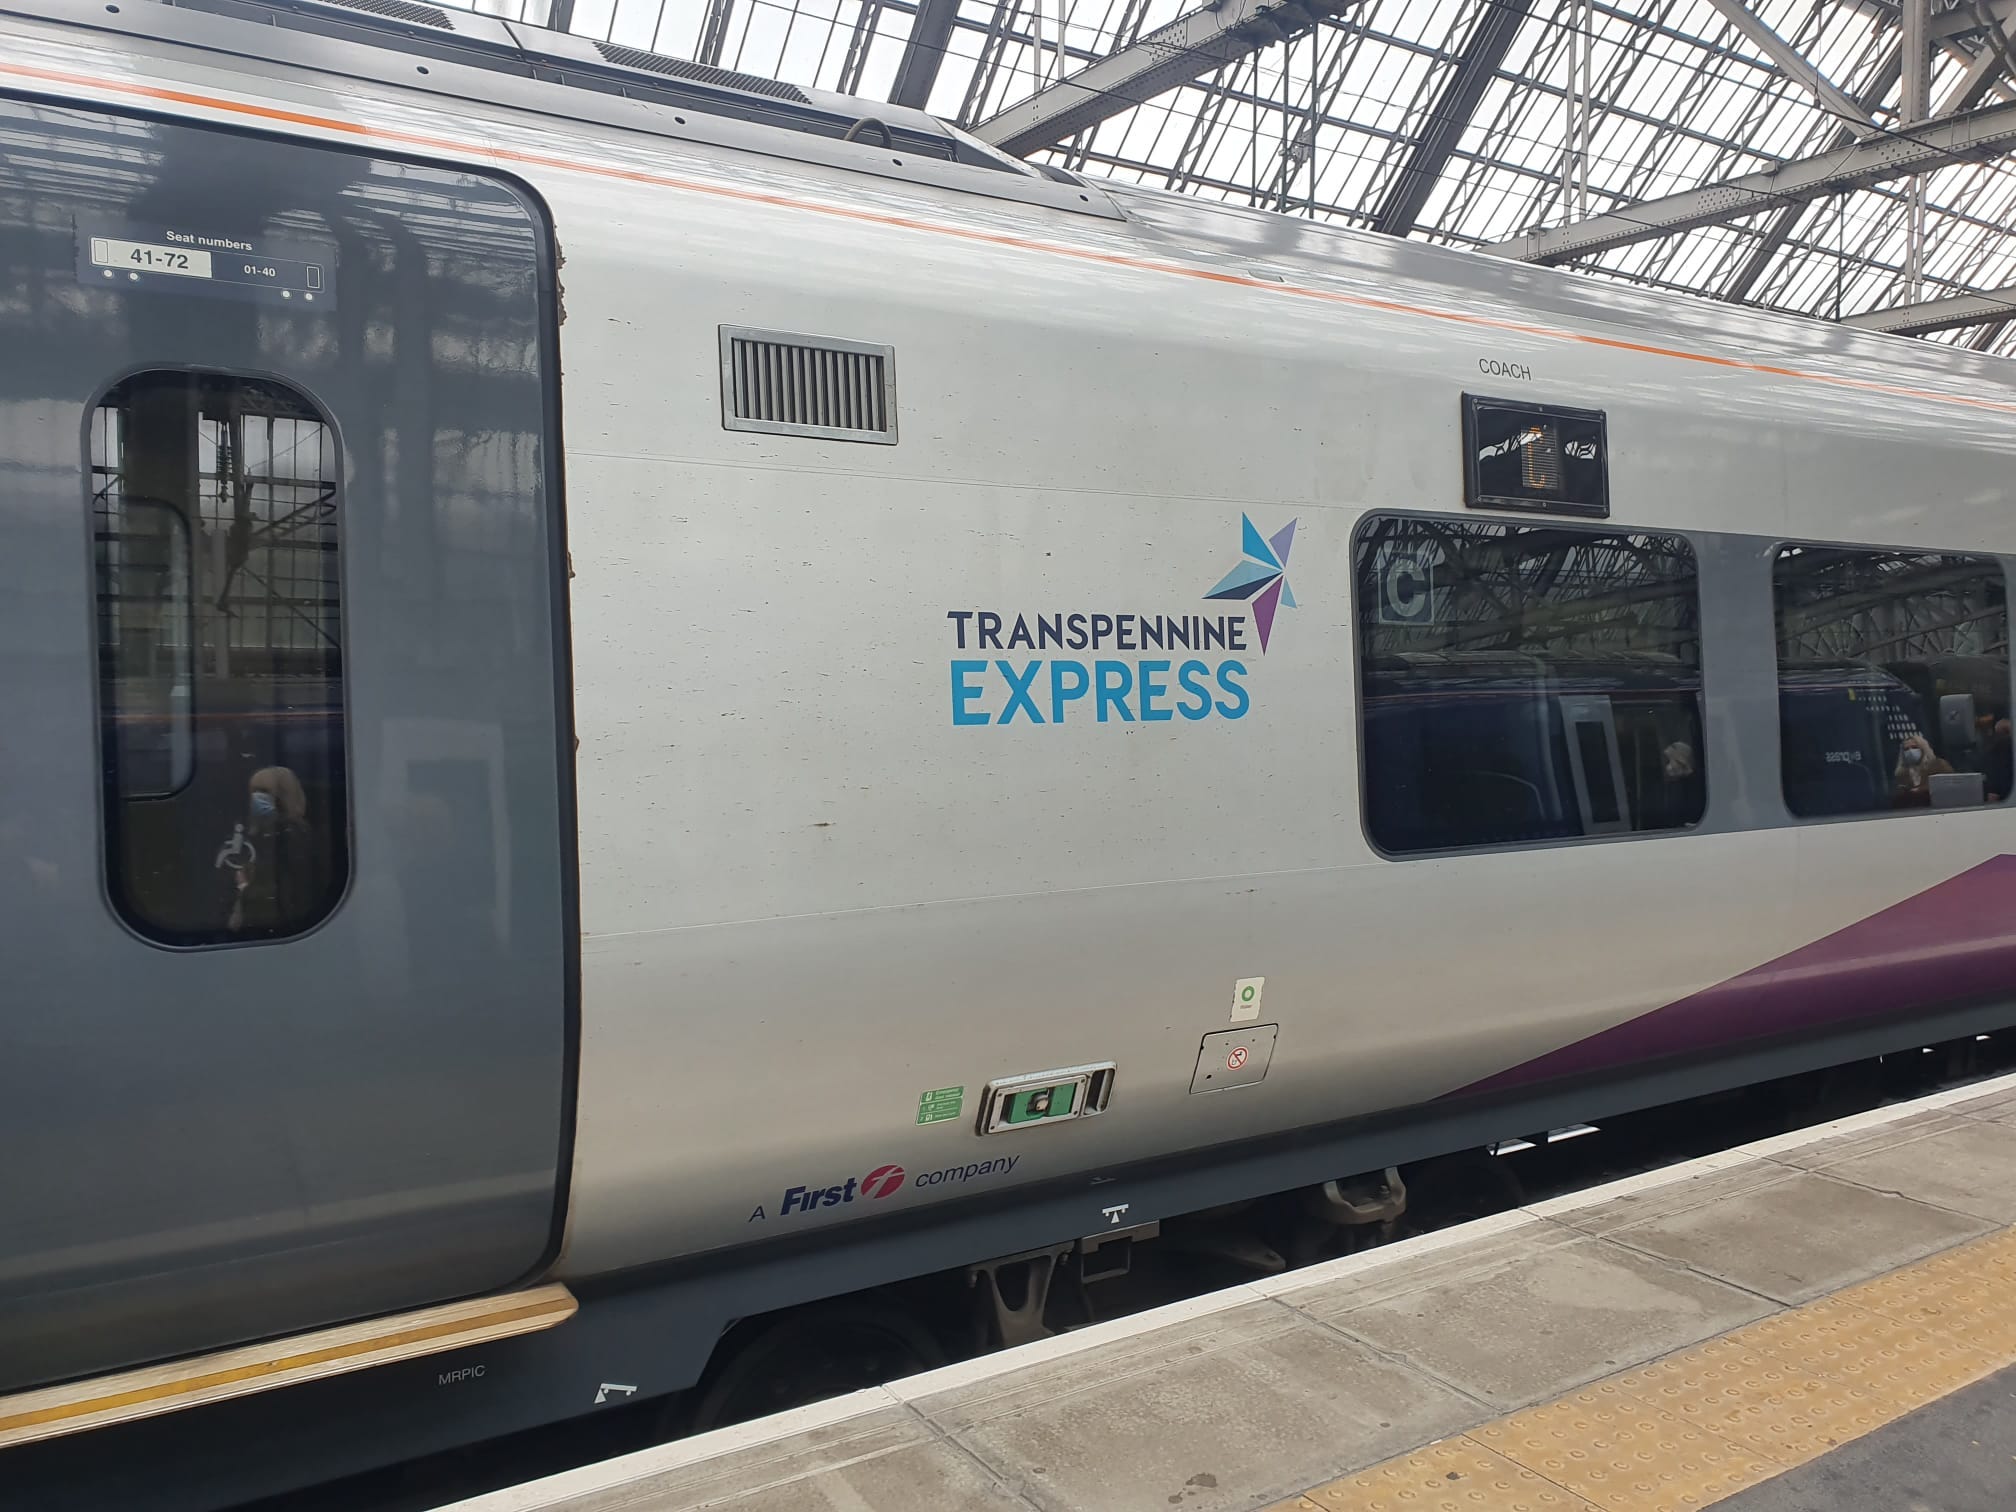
(215, 511)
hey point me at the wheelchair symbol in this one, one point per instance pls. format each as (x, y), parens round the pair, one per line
(238, 853)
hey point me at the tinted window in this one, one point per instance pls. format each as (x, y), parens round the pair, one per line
(1893, 680)
(214, 512)
(1595, 753)
(1526, 683)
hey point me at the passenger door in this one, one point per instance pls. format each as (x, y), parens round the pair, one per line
(285, 816)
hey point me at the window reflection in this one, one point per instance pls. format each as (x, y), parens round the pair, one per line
(1526, 683)
(1893, 680)
(214, 505)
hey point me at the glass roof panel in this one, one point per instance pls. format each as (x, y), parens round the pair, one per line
(1595, 107)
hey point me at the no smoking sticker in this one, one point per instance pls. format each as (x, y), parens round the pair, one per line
(1230, 1058)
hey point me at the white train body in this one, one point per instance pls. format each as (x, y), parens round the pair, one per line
(808, 895)
(831, 864)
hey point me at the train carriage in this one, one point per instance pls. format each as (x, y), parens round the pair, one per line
(635, 703)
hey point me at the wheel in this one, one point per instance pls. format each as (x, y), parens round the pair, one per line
(810, 1354)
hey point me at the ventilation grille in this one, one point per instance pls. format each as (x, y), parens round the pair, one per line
(807, 386)
(400, 10)
(679, 68)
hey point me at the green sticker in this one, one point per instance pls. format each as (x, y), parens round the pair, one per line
(938, 1106)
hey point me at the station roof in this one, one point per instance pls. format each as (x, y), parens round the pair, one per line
(1781, 153)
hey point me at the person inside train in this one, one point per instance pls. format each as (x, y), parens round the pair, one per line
(1917, 765)
(1662, 775)
(276, 889)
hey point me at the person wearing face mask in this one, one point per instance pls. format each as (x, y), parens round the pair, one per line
(274, 892)
(1917, 765)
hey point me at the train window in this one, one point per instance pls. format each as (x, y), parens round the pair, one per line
(1893, 680)
(145, 613)
(214, 511)
(1526, 683)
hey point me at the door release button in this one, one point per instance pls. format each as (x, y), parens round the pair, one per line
(1042, 1097)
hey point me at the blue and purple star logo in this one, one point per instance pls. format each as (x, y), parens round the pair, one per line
(1261, 576)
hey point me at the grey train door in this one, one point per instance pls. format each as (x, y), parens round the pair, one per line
(284, 819)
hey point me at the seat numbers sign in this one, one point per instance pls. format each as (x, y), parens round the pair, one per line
(194, 260)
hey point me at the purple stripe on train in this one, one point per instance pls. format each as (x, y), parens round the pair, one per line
(1949, 944)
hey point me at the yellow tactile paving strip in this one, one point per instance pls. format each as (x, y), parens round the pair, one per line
(1703, 1424)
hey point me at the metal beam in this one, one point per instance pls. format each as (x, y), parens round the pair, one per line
(1959, 18)
(1950, 18)
(713, 32)
(1490, 39)
(930, 35)
(1185, 49)
(1945, 314)
(1796, 66)
(1915, 99)
(1774, 237)
(1984, 73)
(1914, 105)
(1972, 137)
(1990, 68)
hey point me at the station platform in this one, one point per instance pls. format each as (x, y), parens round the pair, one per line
(1821, 1322)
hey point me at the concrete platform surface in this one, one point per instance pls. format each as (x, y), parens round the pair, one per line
(1747, 1330)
